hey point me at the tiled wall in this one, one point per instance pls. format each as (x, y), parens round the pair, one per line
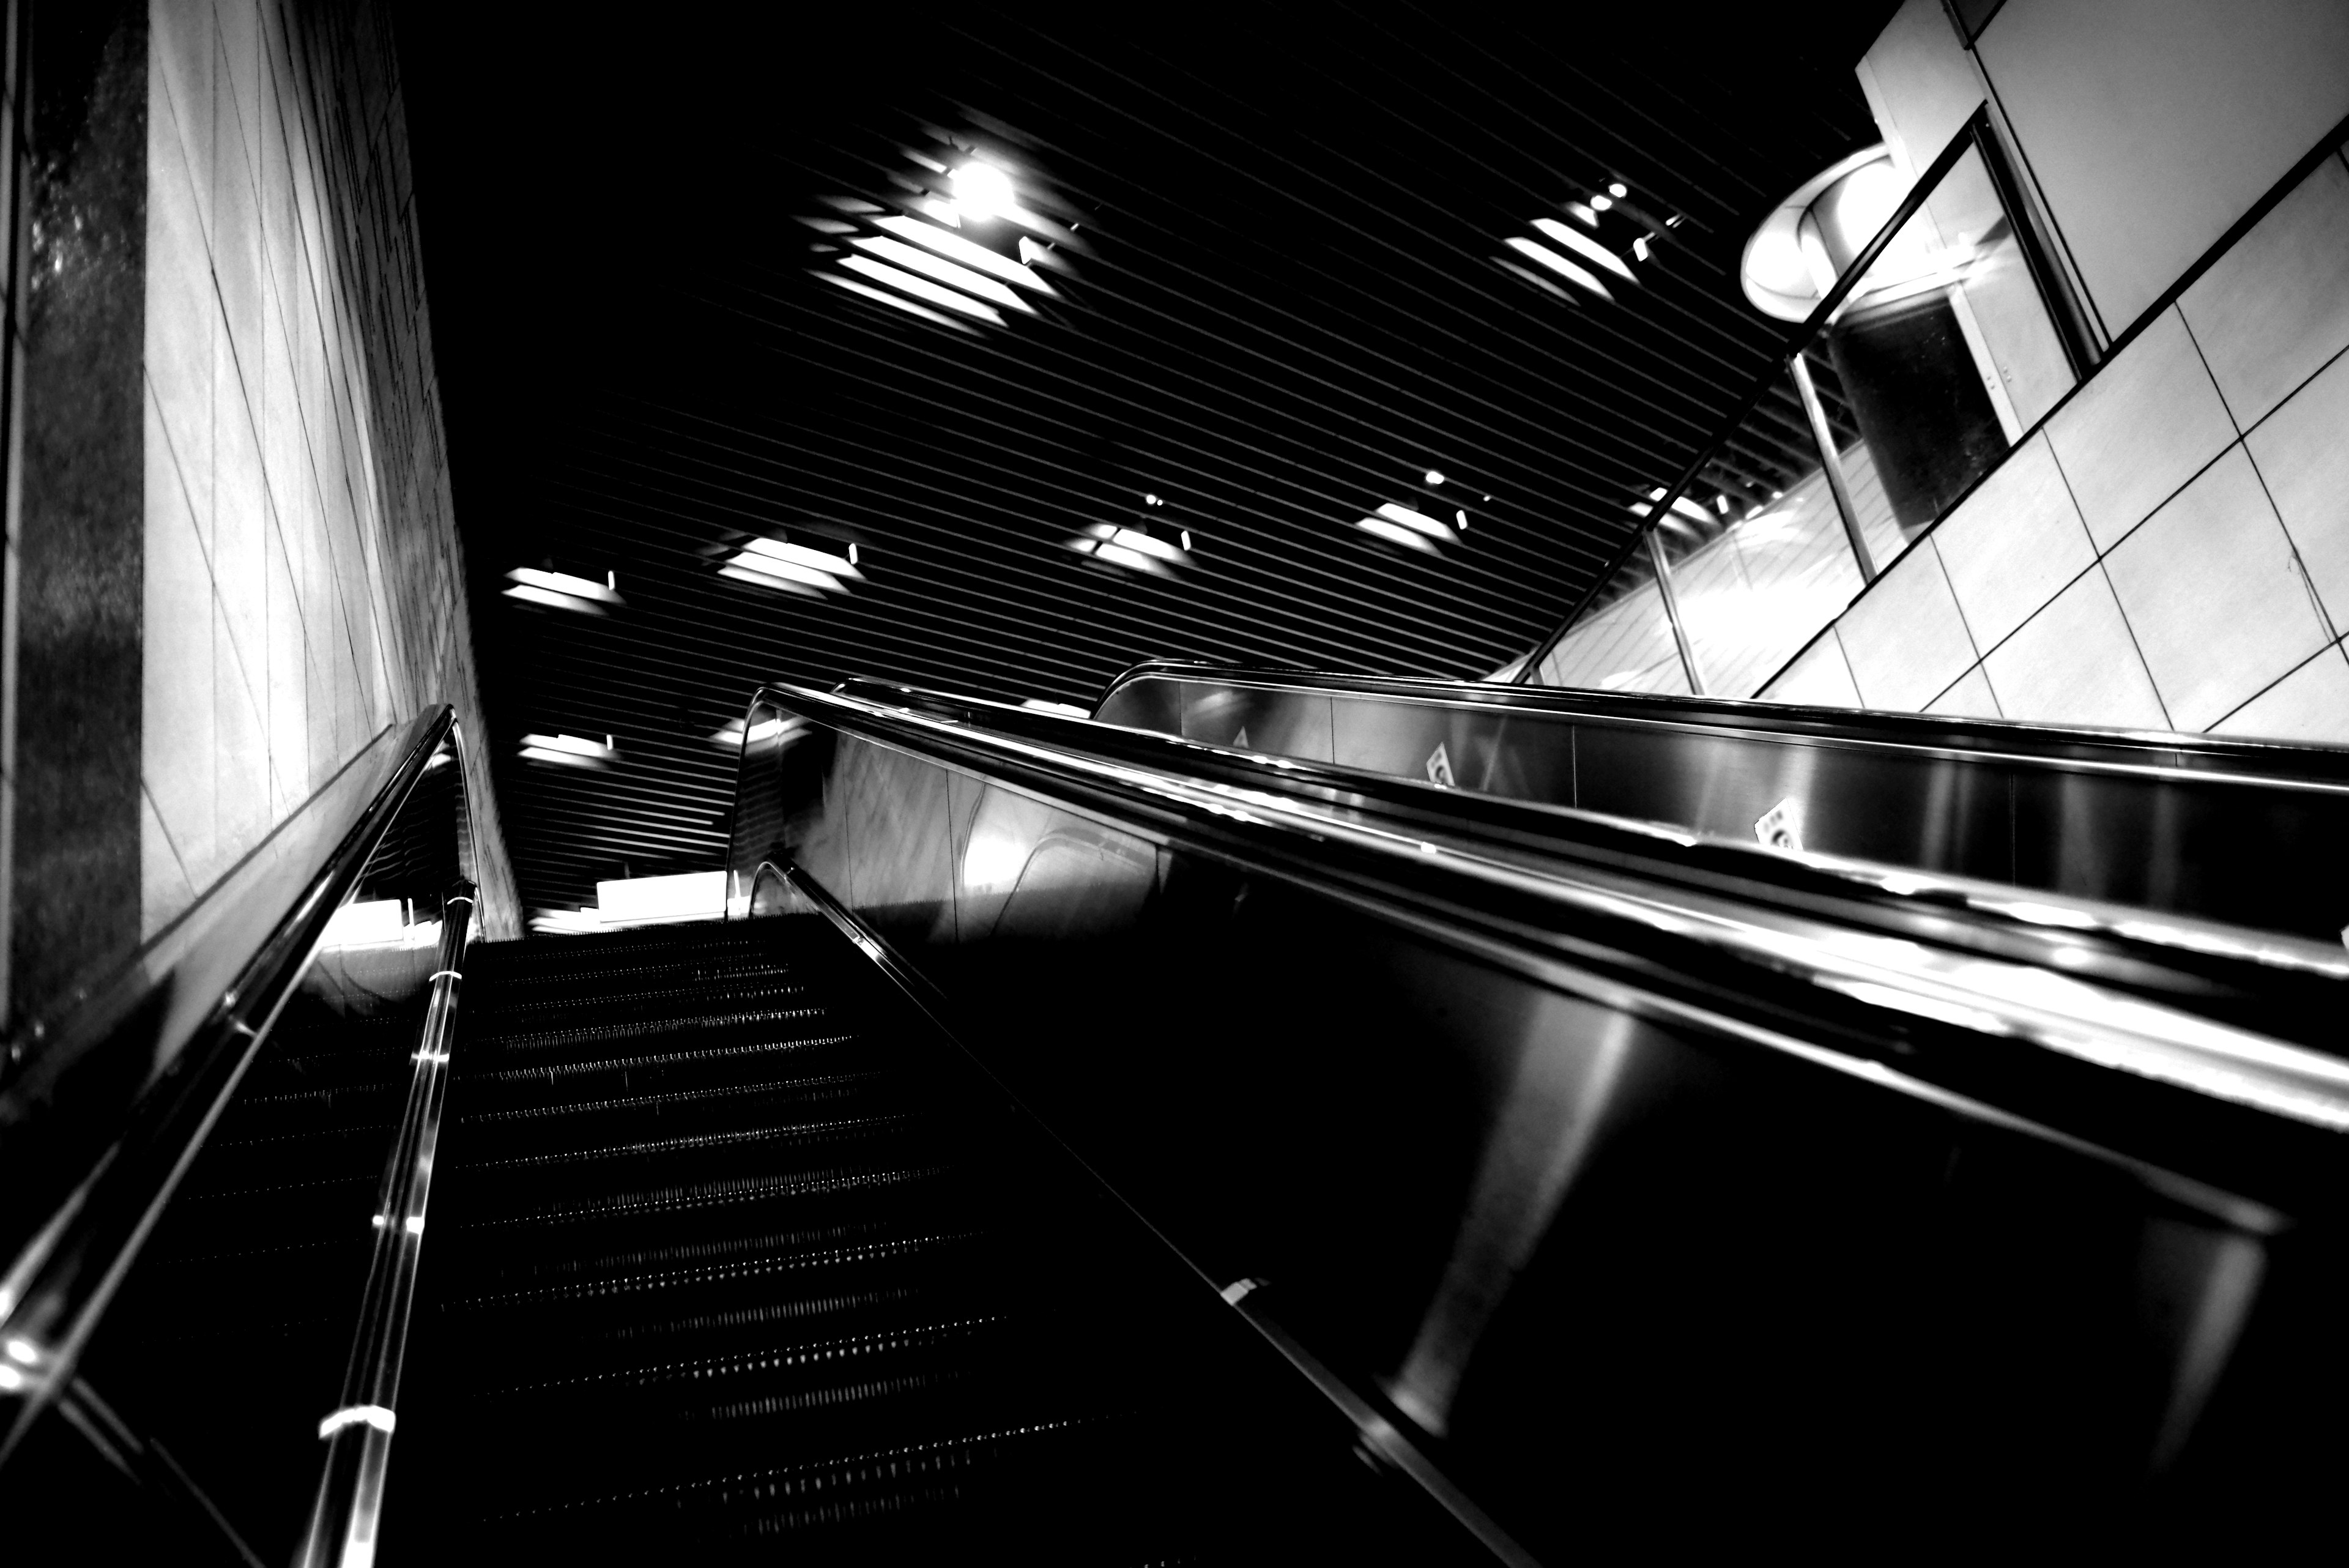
(2170, 549)
(304, 586)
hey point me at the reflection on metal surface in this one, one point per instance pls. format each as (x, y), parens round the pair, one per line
(1468, 1098)
(1571, 1057)
(2255, 834)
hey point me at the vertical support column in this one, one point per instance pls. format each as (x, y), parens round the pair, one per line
(1672, 605)
(1831, 461)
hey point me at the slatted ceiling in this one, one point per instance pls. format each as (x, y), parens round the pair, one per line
(1284, 307)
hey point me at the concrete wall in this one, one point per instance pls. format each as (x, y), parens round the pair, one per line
(2170, 549)
(304, 587)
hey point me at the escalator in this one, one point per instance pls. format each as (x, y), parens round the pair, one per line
(731, 1263)
(1087, 1144)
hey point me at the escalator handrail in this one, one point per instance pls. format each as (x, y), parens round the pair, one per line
(179, 1020)
(347, 1518)
(2001, 909)
(2154, 753)
(1598, 934)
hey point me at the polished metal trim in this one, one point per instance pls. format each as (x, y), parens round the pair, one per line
(1902, 980)
(1830, 463)
(347, 1518)
(1774, 723)
(1672, 613)
(1388, 1440)
(190, 1041)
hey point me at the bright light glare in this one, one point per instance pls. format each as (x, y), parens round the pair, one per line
(1557, 263)
(1617, 188)
(983, 191)
(656, 901)
(1407, 537)
(791, 568)
(568, 750)
(944, 271)
(10, 1379)
(1037, 705)
(1600, 203)
(820, 560)
(22, 1350)
(1433, 477)
(1411, 519)
(560, 590)
(954, 247)
(765, 730)
(1584, 246)
(365, 924)
(1462, 518)
(922, 288)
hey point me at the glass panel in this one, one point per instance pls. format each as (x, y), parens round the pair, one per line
(1622, 642)
(1945, 353)
(1928, 372)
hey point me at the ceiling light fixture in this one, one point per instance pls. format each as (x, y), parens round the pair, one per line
(1583, 246)
(981, 192)
(1579, 275)
(561, 590)
(569, 750)
(1131, 548)
(791, 568)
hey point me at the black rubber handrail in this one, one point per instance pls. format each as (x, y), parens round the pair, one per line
(2277, 763)
(105, 1113)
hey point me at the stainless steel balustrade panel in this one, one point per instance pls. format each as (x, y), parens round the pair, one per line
(1604, 1258)
(2123, 822)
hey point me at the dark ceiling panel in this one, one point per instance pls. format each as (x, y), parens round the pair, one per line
(1282, 289)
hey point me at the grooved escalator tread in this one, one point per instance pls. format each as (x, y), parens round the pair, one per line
(786, 1291)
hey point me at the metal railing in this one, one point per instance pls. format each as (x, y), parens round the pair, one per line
(347, 1519)
(1797, 451)
(103, 1112)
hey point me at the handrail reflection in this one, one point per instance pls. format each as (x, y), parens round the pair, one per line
(345, 1521)
(180, 1022)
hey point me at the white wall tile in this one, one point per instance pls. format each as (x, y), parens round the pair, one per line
(2144, 425)
(2302, 452)
(180, 336)
(2276, 306)
(2074, 663)
(180, 57)
(237, 234)
(2209, 591)
(241, 805)
(1905, 638)
(163, 887)
(2015, 543)
(1820, 677)
(176, 681)
(2151, 126)
(288, 713)
(2311, 703)
(240, 511)
(1970, 698)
